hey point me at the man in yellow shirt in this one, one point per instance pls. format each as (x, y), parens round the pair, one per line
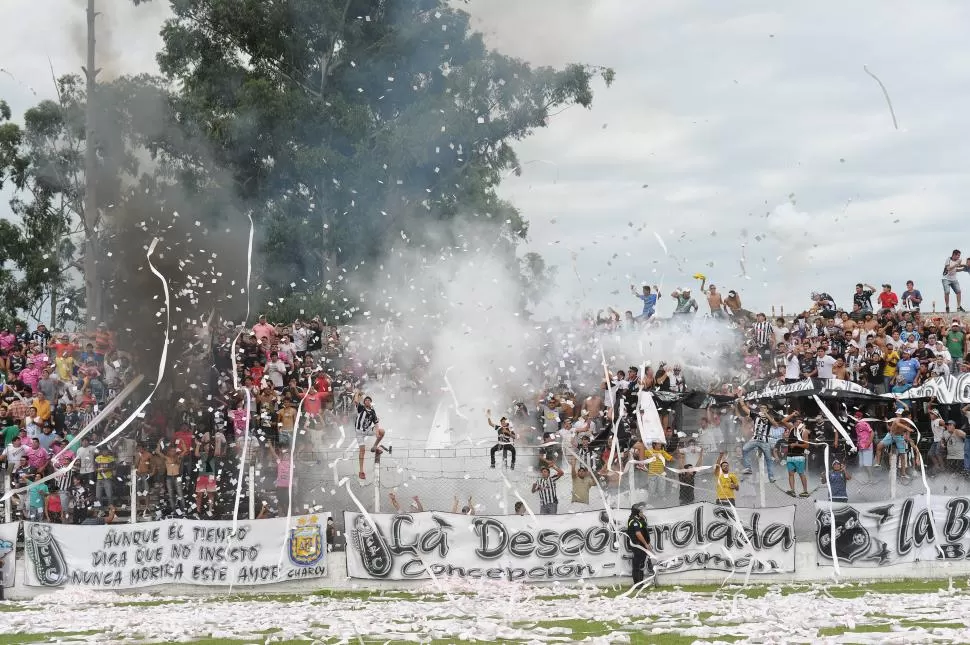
(656, 482)
(726, 485)
(42, 405)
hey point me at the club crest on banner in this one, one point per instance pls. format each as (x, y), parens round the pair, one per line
(45, 555)
(306, 542)
(371, 546)
(852, 539)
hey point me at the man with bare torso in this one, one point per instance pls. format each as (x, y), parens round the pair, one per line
(714, 300)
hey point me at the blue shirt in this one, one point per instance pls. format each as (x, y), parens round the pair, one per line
(838, 484)
(908, 369)
(906, 336)
(649, 303)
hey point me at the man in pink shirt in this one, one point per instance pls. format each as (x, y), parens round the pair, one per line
(37, 457)
(863, 437)
(263, 329)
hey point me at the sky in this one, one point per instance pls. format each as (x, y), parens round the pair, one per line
(743, 140)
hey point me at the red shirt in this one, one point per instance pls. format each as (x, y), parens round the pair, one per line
(323, 385)
(311, 403)
(183, 440)
(888, 299)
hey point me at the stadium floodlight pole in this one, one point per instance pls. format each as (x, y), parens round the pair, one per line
(92, 285)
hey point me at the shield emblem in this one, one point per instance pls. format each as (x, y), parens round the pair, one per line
(852, 540)
(306, 545)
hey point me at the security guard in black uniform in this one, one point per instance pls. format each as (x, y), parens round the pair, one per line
(639, 536)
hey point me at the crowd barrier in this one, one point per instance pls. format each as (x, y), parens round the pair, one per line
(914, 537)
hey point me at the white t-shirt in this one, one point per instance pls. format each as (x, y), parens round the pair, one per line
(793, 369)
(825, 365)
(85, 459)
(299, 338)
(14, 454)
(937, 426)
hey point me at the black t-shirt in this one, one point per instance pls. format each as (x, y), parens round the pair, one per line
(923, 354)
(807, 364)
(863, 299)
(504, 434)
(794, 438)
(314, 339)
(17, 362)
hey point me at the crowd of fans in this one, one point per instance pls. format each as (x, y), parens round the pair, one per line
(182, 457)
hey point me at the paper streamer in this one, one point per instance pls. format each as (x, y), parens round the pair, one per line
(289, 492)
(161, 361)
(926, 484)
(885, 93)
(835, 422)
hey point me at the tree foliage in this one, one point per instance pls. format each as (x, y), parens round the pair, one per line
(349, 125)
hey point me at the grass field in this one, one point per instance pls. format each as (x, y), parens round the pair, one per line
(903, 612)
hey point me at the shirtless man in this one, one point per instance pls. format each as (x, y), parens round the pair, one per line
(714, 300)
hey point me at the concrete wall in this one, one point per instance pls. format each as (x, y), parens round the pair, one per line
(806, 571)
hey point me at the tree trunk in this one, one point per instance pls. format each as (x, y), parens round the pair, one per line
(92, 286)
(53, 325)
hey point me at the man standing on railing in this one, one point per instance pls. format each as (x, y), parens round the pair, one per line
(759, 440)
(505, 438)
(546, 487)
(367, 425)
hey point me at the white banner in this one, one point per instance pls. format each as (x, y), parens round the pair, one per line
(895, 532)
(8, 552)
(124, 556)
(565, 547)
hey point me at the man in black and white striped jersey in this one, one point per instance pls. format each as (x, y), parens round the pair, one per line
(367, 425)
(546, 487)
(764, 337)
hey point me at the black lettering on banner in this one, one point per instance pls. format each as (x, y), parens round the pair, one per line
(175, 533)
(254, 575)
(599, 539)
(127, 537)
(957, 521)
(436, 538)
(147, 555)
(307, 572)
(219, 534)
(180, 551)
(548, 543)
(681, 534)
(575, 537)
(415, 569)
(96, 578)
(109, 559)
(493, 538)
(213, 573)
(521, 545)
(903, 542)
(398, 546)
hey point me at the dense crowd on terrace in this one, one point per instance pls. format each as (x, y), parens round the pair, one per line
(182, 456)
